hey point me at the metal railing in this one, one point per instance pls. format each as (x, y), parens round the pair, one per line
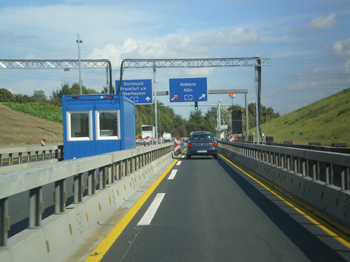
(328, 167)
(30, 154)
(100, 170)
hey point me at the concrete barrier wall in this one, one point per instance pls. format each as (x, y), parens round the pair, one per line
(329, 198)
(62, 234)
(27, 165)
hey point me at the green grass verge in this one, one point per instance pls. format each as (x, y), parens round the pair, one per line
(43, 110)
(325, 121)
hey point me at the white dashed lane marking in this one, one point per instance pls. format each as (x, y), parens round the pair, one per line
(172, 174)
(151, 211)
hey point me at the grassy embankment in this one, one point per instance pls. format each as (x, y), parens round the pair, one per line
(36, 121)
(326, 121)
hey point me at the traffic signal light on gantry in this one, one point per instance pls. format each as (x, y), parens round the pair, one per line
(196, 105)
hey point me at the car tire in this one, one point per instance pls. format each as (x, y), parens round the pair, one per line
(188, 156)
(215, 156)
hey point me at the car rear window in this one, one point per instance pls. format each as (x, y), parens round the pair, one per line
(201, 138)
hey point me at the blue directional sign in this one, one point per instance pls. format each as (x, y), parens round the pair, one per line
(188, 90)
(139, 91)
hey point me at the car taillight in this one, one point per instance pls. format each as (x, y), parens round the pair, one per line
(189, 145)
(214, 144)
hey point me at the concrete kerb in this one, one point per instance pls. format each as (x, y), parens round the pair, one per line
(343, 205)
(18, 248)
(63, 234)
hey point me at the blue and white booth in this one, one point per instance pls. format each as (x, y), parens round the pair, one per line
(97, 124)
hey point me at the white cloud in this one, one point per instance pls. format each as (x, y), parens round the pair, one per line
(322, 22)
(292, 53)
(341, 48)
(170, 46)
(237, 38)
(174, 46)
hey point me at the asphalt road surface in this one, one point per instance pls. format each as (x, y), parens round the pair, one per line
(209, 210)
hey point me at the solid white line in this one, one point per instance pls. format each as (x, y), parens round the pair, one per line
(151, 211)
(178, 163)
(172, 175)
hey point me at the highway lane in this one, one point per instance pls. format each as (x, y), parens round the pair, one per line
(211, 211)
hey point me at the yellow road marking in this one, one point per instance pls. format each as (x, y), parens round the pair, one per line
(98, 253)
(305, 213)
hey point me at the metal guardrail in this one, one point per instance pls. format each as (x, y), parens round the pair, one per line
(318, 165)
(31, 154)
(315, 146)
(101, 170)
(319, 178)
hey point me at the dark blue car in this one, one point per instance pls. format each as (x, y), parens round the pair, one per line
(202, 143)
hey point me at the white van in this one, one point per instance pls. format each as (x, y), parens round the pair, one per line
(167, 137)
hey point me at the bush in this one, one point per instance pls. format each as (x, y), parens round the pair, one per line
(43, 110)
(6, 96)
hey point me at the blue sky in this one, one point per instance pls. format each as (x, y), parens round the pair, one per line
(307, 41)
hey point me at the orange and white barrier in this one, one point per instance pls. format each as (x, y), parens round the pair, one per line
(177, 143)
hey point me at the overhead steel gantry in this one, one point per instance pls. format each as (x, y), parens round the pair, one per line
(65, 64)
(257, 62)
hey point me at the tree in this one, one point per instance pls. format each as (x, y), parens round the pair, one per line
(178, 120)
(266, 114)
(39, 94)
(180, 131)
(92, 91)
(105, 90)
(56, 95)
(144, 115)
(75, 90)
(234, 107)
(23, 99)
(226, 119)
(6, 96)
(196, 122)
(211, 120)
(196, 116)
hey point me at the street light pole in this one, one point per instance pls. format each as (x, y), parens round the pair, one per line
(232, 96)
(80, 82)
(155, 102)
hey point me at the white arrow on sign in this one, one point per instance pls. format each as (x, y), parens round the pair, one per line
(147, 98)
(203, 96)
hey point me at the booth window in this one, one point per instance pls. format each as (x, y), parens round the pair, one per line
(79, 124)
(107, 125)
